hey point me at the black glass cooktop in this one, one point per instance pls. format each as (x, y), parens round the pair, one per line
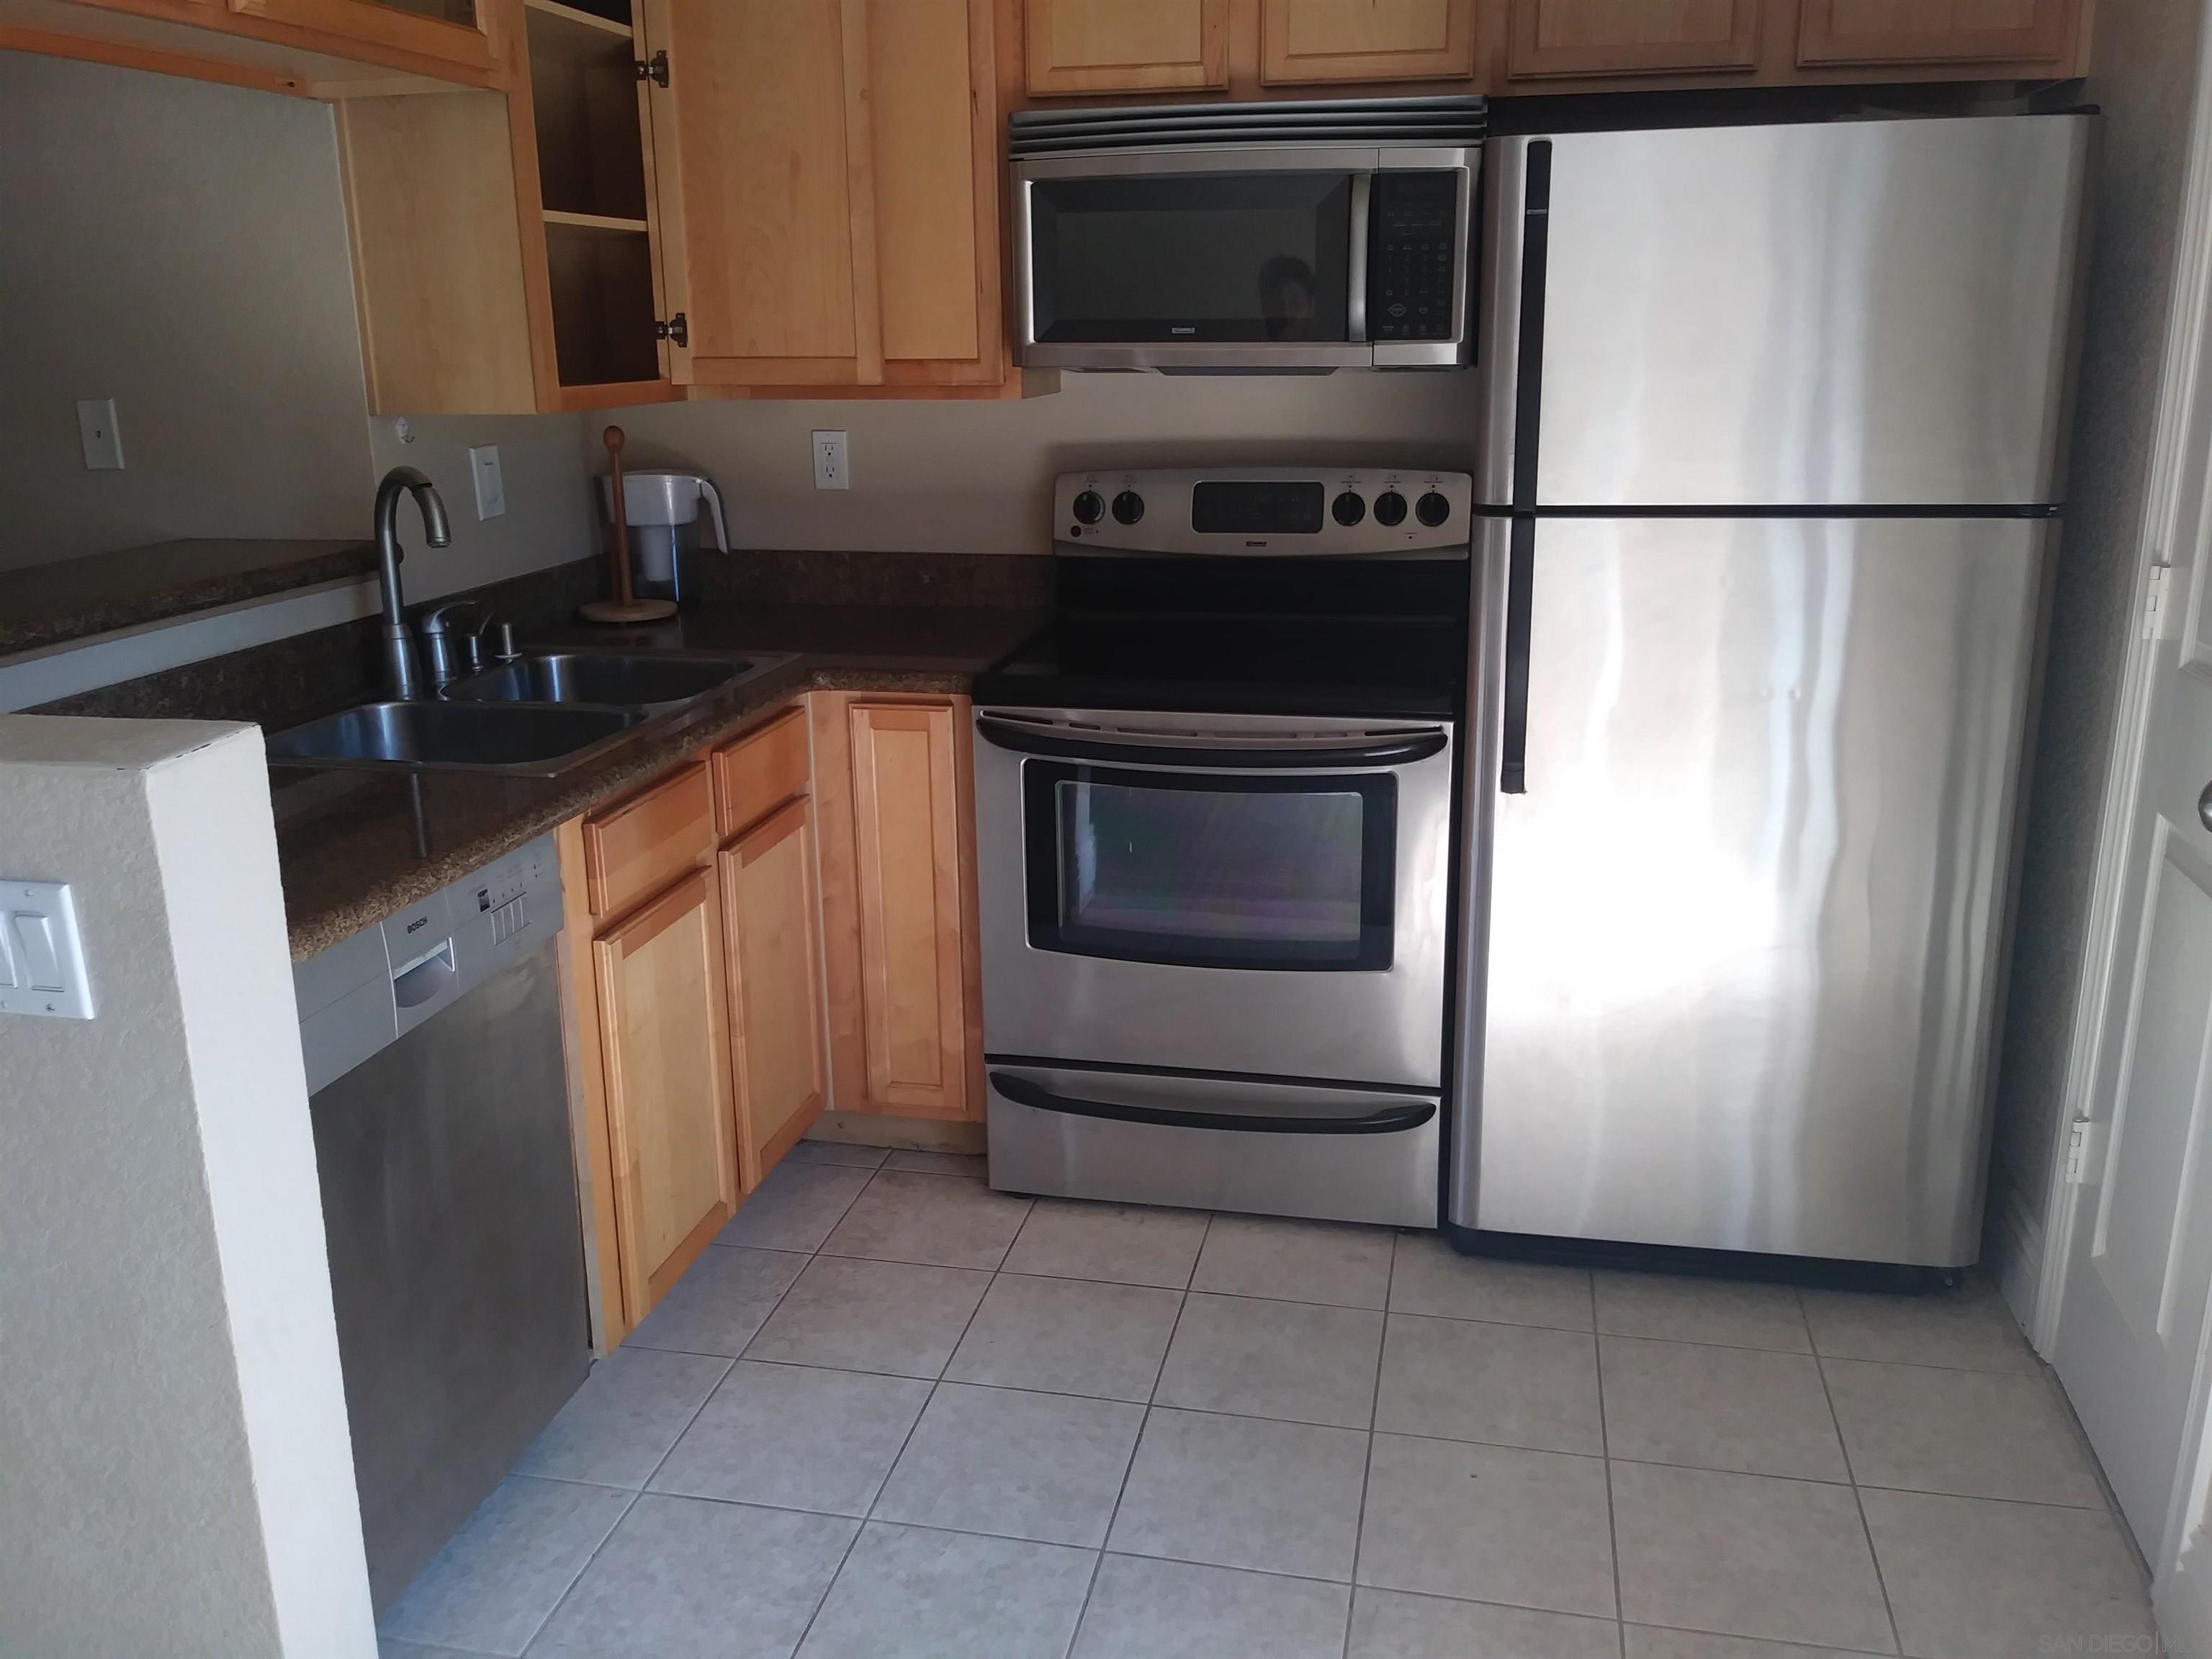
(1247, 636)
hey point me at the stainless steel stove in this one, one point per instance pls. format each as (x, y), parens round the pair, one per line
(1214, 808)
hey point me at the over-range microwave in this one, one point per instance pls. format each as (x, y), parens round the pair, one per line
(1247, 237)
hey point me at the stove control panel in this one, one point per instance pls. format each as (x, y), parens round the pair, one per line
(1265, 512)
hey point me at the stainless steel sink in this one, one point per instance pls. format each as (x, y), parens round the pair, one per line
(608, 678)
(526, 740)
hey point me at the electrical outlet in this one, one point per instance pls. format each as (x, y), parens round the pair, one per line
(491, 490)
(831, 471)
(96, 429)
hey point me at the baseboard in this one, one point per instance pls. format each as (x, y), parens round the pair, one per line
(2015, 1252)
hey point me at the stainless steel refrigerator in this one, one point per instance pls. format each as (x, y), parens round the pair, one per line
(1773, 445)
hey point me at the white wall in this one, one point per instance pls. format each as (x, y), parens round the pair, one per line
(175, 1473)
(181, 248)
(976, 478)
(549, 518)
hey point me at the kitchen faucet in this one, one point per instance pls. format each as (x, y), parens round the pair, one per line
(403, 679)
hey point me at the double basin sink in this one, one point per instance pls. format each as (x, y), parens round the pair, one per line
(535, 716)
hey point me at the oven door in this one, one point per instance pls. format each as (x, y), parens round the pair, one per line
(1251, 896)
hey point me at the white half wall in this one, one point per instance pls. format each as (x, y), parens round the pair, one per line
(176, 1476)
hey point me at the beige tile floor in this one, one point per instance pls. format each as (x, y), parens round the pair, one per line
(893, 1414)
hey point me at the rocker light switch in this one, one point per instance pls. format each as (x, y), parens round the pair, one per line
(41, 951)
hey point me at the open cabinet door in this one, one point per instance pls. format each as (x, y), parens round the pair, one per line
(762, 160)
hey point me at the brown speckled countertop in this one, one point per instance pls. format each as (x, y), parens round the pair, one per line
(356, 846)
(75, 599)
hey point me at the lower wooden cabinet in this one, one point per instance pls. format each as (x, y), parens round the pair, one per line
(661, 992)
(893, 783)
(774, 926)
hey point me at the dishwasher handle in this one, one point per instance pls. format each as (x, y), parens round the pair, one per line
(427, 977)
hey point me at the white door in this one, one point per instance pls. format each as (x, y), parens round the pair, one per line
(2139, 1259)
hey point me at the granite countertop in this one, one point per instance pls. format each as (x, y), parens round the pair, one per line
(356, 846)
(44, 604)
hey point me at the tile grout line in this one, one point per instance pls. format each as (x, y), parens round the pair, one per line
(1367, 1468)
(1098, 1565)
(1850, 1469)
(1605, 1450)
(861, 1525)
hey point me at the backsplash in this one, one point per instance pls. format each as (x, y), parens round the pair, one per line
(982, 581)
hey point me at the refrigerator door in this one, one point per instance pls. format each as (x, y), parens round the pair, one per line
(1849, 315)
(1744, 923)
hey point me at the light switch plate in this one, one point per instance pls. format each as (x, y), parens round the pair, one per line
(42, 952)
(830, 471)
(97, 431)
(491, 490)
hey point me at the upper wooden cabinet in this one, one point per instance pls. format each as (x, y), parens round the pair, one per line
(1630, 37)
(827, 174)
(447, 30)
(1378, 40)
(1962, 31)
(1129, 45)
(898, 895)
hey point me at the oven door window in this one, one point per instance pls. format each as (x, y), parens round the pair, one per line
(1242, 256)
(1211, 872)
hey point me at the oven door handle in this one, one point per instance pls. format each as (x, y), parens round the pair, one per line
(1386, 1120)
(1209, 755)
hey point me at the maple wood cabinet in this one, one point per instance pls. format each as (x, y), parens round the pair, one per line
(1630, 37)
(1962, 32)
(1247, 48)
(1384, 41)
(827, 173)
(1125, 46)
(895, 793)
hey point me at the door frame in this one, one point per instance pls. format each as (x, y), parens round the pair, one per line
(2176, 511)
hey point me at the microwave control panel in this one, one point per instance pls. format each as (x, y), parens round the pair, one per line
(1411, 269)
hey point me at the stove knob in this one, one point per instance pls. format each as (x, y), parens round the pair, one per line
(1390, 508)
(1432, 509)
(1348, 510)
(1090, 506)
(1128, 506)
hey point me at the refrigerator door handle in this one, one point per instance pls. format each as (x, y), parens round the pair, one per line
(1513, 762)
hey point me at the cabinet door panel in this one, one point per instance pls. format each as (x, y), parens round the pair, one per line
(1935, 31)
(662, 1014)
(932, 111)
(1304, 40)
(761, 158)
(906, 833)
(448, 31)
(1125, 45)
(1630, 37)
(898, 898)
(776, 962)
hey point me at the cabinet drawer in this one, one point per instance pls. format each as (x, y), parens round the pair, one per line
(638, 846)
(760, 772)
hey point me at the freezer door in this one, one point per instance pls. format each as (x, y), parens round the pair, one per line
(1745, 922)
(1854, 313)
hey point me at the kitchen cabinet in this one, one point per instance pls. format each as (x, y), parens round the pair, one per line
(1630, 37)
(504, 243)
(894, 792)
(1316, 40)
(774, 958)
(447, 30)
(1127, 46)
(772, 911)
(827, 174)
(1961, 31)
(661, 992)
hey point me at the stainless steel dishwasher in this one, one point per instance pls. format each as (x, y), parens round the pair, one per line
(439, 1098)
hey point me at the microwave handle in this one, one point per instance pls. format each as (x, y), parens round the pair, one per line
(1355, 319)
